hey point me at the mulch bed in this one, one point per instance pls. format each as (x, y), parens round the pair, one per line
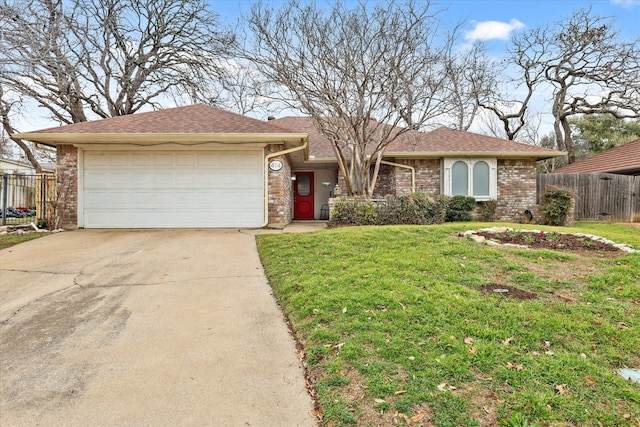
(553, 241)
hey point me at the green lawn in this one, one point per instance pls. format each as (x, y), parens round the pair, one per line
(395, 328)
(9, 240)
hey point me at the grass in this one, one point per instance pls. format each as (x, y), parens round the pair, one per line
(395, 329)
(8, 240)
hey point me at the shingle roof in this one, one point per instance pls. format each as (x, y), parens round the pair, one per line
(192, 119)
(461, 142)
(623, 159)
(442, 141)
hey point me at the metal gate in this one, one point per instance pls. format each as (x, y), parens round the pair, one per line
(28, 198)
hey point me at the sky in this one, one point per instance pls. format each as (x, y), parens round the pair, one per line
(493, 21)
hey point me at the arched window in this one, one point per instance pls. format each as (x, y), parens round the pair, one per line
(470, 177)
(481, 179)
(459, 179)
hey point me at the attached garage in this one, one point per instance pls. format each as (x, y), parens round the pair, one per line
(186, 167)
(172, 189)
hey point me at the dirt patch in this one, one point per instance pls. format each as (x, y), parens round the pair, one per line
(508, 291)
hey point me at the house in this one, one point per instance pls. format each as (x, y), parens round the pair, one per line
(199, 166)
(623, 159)
(443, 161)
(18, 167)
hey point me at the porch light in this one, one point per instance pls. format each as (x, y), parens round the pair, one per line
(326, 184)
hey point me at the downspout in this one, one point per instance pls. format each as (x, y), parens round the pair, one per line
(266, 175)
(400, 165)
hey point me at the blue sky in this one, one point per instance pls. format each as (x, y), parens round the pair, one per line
(494, 22)
(495, 19)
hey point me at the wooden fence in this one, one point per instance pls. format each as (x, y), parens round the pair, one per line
(598, 196)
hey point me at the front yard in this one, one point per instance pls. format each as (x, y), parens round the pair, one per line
(399, 325)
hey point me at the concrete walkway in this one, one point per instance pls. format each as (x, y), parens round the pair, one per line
(144, 328)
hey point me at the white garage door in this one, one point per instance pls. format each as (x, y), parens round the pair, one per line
(162, 189)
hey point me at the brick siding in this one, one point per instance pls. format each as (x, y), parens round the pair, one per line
(67, 186)
(280, 191)
(516, 184)
(427, 176)
(516, 189)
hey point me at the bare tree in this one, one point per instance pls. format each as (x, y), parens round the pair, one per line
(510, 102)
(472, 77)
(102, 58)
(365, 75)
(241, 90)
(590, 70)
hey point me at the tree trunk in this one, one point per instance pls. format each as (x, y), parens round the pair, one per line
(568, 141)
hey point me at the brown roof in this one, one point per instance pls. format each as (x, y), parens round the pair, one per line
(319, 145)
(192, 119)
(458, 142)
(623, 159)
(440, 142)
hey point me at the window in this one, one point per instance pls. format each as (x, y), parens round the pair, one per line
(471, 177)
(304, 185)
(459, 179)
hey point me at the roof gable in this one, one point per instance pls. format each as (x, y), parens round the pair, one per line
(623, 159)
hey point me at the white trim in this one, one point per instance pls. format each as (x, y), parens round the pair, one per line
(80, 193)
(493, 176)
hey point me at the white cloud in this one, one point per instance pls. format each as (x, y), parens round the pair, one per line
(487, 30)
(626, 3)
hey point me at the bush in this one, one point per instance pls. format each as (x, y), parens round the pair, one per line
(459, 208)
(555, 205)
(353, 211)
(418, 208)
(488, 210)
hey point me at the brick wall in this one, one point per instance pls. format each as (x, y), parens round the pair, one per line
(67, 186)
(280, 191)
(427, 176)
(516, 184)
(397, 181)
(516, 189)
(386, 182)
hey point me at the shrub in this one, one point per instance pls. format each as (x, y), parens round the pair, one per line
(353, 211)
(488, 210)
(459, 208)
(418, 208)
(555, 205)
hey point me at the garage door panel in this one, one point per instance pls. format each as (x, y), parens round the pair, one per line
(173, 189)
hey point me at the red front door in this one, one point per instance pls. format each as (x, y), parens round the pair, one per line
(303, 196)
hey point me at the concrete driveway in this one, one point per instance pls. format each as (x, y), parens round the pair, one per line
(144, 328)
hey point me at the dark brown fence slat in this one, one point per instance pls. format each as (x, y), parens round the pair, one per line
(599, 196)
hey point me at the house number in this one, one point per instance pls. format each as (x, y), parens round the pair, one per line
(275, 165)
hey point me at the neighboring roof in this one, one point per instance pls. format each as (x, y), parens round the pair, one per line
(623, 159)
(438, 143)
(9, 164)
(201, 123)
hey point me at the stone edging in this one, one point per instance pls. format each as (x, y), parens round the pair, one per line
(472, 234)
